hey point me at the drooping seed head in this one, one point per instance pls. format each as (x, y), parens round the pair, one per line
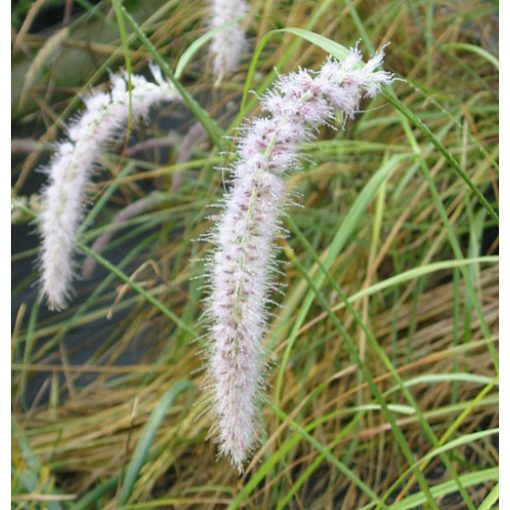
(104, 118)
(244, 257)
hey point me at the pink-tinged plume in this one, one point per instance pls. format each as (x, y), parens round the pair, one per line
(228, 44)
(105, 118)
(242, 267)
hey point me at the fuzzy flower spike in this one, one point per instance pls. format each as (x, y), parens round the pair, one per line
(242, 265)
(229, 43)
(104, 119)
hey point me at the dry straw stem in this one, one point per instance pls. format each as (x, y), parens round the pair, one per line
(27, 23)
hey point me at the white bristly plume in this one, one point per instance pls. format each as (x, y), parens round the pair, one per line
(228, 44)
(243, 261)
(105, 118)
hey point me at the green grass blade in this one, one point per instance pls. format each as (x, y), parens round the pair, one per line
(137, 288)
(212, 129)
(455, 244)
(86, 502)
(399, 437)
(323, 42)
(359, 25)
(438, 378)
(389, 95)
(103, 199)
(326, 453)
(27, 351)
(127, 57)
(449, 487)
(389, 366)
(473, 49)
(321, 9)
(30, 478)
(302, 433)
(467, 409)
(462, 440)
(147, 438)
(347, 227)
(337, 50)
(74, 320)
(282, 503)
(489, 502)
(418, 272)
(198, 43)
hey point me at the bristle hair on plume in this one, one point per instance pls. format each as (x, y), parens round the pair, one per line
(229, 43)
(243, 260)
(105, 117)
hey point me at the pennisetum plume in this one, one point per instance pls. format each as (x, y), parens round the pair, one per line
(242, 264)
(228, 44)
(104, 119)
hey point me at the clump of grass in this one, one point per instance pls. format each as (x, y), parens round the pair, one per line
(384, 394)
